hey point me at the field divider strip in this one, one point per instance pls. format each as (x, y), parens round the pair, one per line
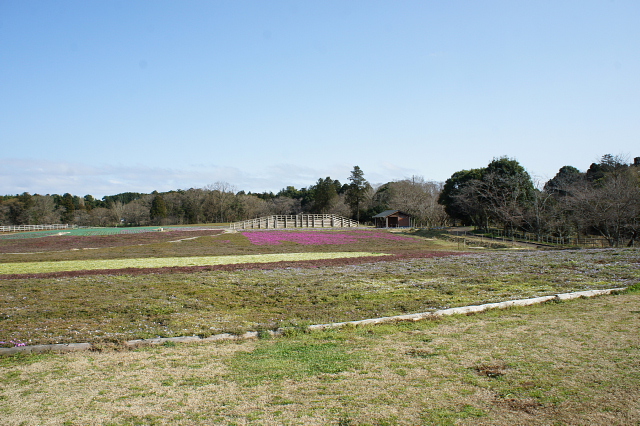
(463, 310)
(167, 262)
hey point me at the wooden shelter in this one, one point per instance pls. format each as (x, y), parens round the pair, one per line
(392, 219)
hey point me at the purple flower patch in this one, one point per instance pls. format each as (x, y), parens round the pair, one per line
(261, 238)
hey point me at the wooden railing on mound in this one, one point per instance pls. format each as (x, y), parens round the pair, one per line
(15, 228)
(296, 221)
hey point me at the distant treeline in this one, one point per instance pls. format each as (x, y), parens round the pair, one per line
(221, 202)
(603, 200)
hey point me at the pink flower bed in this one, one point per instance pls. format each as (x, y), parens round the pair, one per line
(260, 238)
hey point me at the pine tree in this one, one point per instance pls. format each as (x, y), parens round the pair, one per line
(357, 191)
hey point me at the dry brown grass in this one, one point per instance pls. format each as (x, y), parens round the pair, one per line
(570, 363)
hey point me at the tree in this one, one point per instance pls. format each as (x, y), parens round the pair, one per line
(551, 211)
(91, 203)
(458, 198)
(609, 206)
(604, 200)
(192, 205)
(117, 211)
(608, 164)
(251, 206)
(15, 212)
(68, 208)
(158, 210)
(101, 216)
(136, 213)
(325, 195)
(566, 177)
(357, 191)
(506, 192)
(43, 211)
(124, 197)
(499, 193)
(220, 200)
(286, 206)
(417, 197)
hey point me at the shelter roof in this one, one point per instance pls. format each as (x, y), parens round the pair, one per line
(389, 213)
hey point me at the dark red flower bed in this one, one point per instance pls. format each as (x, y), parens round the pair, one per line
(241, 266)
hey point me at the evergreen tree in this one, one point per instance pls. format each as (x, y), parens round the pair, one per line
(498, 193)
(68, 208)
(357, 191)
(451, 196)
(158, 209)
(325, 195)
(566, 177)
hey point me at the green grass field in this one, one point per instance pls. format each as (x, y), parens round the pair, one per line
(571, 363)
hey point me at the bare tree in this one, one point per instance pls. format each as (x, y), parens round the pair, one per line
(609, 206)
(43, 210)
(219, 202)
(101, 216)
(286, 206)
(137, 212)
(117, 211)
(250, 206)
(81, 218)
(419, 198)
(340, 207)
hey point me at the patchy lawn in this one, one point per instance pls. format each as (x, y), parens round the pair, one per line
(570, 363)
(111, 308)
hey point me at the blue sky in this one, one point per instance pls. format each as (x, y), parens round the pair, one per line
(102, 97)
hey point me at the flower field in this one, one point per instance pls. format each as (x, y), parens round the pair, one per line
(204, 281)
(518, 366)
(318, 237)
(197, 242)
(112, 305)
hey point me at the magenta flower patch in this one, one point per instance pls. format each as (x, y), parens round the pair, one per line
(260, 238)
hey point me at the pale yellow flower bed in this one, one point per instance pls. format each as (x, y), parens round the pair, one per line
(83, 265)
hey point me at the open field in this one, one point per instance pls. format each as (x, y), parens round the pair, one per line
(112, 305)
(570, 363)
(560, 363)
(213, 242)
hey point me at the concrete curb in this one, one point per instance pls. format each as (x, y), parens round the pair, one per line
(74, 347)
(38, 349)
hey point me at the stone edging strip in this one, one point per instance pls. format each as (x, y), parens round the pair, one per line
(73, 347)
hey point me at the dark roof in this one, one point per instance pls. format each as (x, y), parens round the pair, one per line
(389, 213)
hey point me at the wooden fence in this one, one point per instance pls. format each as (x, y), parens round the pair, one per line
(296, 221)
(542, 240)
(16, 228)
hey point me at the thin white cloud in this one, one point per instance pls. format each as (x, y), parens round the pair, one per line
(57, 177)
